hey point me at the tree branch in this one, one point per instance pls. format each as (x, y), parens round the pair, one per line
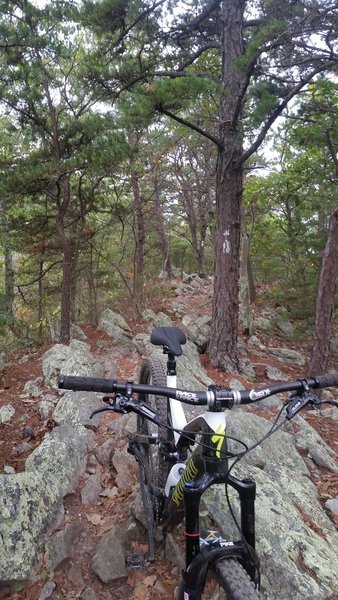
(21, 285)
(190, 126)
(278, 111)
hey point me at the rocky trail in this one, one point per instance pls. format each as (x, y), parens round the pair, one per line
(70, 508)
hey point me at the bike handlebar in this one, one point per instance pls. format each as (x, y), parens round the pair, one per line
(214, 396)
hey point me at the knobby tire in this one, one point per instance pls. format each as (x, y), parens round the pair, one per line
(153, 372)
(233, 583)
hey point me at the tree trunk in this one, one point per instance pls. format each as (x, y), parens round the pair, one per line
(139, 235)
(92, 286)
(8, 264)
(223, 336)
(62, 205)
(163, 238)
(325, 301)
(245, 312)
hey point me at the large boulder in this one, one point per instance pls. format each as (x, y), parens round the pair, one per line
(110, 322)
(31, 502)
(292, 528)
(75, 359)
(198, 329)
(288, 355)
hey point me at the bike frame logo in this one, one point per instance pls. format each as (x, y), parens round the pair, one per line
(189, 475)
(218, 439)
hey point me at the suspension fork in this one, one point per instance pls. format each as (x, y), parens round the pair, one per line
(193, 491)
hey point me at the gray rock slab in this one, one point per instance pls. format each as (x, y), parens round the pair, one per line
(275, 374)
(62, 545)
(75, 408)
(75, 359)
(92, 489)
(109, 559)
(7, 412)
(289, 356)
(29, 506)
(61, 457)
(113, 319)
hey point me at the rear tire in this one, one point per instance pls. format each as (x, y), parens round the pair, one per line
(227, 580)
(152, 372)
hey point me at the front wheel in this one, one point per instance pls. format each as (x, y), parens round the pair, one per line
(227, 580)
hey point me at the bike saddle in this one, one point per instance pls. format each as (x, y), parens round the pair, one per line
(169, 337)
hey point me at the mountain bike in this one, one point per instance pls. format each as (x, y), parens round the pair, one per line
(179, 460)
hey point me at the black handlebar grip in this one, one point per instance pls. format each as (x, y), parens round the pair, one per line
(86, 384)
(324, 381)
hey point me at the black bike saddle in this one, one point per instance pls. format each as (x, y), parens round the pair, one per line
(170, 338)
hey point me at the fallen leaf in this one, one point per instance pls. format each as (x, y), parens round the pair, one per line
(95, 519)
(149, 581)
(109, 492)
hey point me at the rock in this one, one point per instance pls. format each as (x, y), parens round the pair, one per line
(254, 342)
(291, 527)
(21, 449)
(247, 368)
(261, 324)
(32, 388)
(190, 372)
(9, 470)
(92, 489)
(61, 457)
(157, 319)
(126, 469)
(286, 328)
(75, 408)
(104, 452)
(28, 432)
(30, 504)
(306, 438)
(275, 374)
(7, 412)
(111, 321)
(76, 333)
(47, 590)
(173, 552)
(74, 359)
(102, 344)
(288, 355)
(89, 594)
(274, 401)
(332, 505)
(198, 329)
(322, 458)
(75, 576)
(62, 545)
(109, 559)
(121, 427)
(44, 408)
(236, 385)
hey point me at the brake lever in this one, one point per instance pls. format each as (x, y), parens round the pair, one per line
(116, 404)
(101, 410)
(298, 401)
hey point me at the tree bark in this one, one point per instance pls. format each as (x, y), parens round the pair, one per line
(325, 301)
(163, 238)
(229, 178)
(8, 264)
(62, 205)
(138, 227)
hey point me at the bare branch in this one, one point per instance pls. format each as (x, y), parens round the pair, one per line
(278, 111)
(190, 126)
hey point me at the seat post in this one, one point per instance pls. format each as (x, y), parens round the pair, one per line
(171, 363)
